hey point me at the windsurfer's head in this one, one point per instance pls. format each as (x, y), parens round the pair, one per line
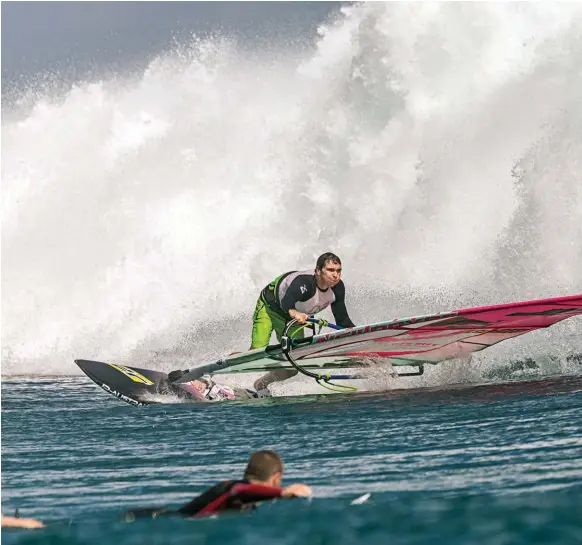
(265, 467)
(328, 270)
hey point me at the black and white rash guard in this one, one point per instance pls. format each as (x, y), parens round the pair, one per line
(298, 290)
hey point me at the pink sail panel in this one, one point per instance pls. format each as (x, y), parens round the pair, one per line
(442, 336)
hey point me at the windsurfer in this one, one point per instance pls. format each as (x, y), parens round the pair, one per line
(297, 295)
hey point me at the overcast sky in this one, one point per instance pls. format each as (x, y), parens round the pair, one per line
(71, 36)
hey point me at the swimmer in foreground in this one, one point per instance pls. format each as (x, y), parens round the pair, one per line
(262, 481)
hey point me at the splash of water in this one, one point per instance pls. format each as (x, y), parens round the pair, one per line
(434, 147)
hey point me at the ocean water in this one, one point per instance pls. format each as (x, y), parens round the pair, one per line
(496, 463)
(434, 146)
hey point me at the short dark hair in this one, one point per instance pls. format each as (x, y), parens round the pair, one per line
(324, 258)
(262, 465)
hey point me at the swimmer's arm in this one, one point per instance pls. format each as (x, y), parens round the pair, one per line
(296, 490)
(17, 522)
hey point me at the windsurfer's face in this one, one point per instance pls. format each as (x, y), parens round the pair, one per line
(330, 275)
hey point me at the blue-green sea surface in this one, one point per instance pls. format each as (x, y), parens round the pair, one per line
(495, 464)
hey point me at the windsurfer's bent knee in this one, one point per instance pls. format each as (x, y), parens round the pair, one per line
(297, 295)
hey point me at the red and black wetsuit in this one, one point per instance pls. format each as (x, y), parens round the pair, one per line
(225, 496)
(229, 496)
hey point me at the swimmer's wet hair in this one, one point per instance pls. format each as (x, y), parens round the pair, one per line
(262, 465)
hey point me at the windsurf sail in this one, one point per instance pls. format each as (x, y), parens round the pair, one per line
(406, 341)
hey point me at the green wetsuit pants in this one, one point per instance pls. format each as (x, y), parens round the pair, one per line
(265, 321)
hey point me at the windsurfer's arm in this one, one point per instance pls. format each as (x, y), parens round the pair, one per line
(294, 294)
(338, 307)
(299, 316)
